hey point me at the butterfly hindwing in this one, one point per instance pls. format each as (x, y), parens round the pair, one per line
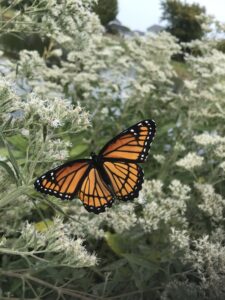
(63, 181)
(94, 193)
(132, 144)
(126, 179)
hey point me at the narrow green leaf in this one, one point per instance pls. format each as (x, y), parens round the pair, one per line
(8, 170)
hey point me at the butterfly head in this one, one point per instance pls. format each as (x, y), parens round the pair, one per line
(93, 156)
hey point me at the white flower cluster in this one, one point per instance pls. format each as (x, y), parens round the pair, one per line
(213, 204)
(219, 150)
(151, 190)
(190, 161)
(52, 112)
(207, 83)
(55, 150)
(179, 239)
(53, 240)
(69, 22)
(206, 139)
(31, 64)
(11, 218)
(159, 158)
(121, 217)
(7, 97)
(208, 258)
(222, 166)
(34, 75)
(162, 208)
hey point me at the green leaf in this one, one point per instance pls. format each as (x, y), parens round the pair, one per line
(18, 141)
(3, 152)
(78, 150)
(116, 243)
(10, 197)
(115, 265)
(12, 159)
(43, 225)
(141, 261)
(8, 170)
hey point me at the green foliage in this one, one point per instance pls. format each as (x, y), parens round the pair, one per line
(221, 46)
(106, 10)
(183, 19)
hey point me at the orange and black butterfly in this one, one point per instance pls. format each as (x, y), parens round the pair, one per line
(112, 174)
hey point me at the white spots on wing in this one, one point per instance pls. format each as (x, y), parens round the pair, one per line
(132, 130)
(43, 176)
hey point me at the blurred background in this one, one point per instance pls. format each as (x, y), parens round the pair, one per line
(144, 14)
(73, 74)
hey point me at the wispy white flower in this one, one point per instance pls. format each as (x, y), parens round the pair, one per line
(213, 204)
(208, 139)
(219, 150)
(159, 158)
(53, 112)
(180, 239)
(179, 190)
(54, 240)
(163, 208)
(190, 161)
(222, 166)
(25, 132)
(3, 241)
(179, 147)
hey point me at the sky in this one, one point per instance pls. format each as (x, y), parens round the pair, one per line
(140, 14)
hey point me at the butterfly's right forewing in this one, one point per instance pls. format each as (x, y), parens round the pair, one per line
(132, 144)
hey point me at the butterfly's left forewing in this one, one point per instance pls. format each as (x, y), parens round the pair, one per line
(63, 181)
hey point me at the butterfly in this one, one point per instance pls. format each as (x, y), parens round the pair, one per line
(112, 174)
